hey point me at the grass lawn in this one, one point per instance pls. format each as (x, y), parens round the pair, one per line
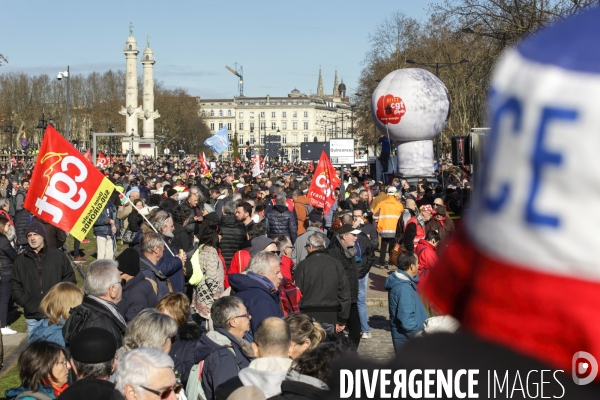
(11, 379)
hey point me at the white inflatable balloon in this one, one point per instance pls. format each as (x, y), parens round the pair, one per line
(411, 106)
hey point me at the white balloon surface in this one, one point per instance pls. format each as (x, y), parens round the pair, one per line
(410, 104)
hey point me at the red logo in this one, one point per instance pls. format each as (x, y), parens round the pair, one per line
(390, 109)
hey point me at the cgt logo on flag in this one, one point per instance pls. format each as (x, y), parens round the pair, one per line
(66, 190)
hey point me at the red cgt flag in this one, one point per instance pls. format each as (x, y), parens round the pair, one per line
(66, 190)
(323, 184)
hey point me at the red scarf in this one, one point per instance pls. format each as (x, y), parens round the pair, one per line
(441, 221)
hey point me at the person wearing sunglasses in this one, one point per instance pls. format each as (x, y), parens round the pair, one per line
(146, 374)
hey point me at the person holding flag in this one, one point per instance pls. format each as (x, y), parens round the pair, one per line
(324, 182)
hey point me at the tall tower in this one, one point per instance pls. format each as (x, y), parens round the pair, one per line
(336, 92)
(320, 85)
(131, 109)
(149, 114)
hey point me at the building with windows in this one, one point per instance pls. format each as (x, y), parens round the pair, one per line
(295, 118)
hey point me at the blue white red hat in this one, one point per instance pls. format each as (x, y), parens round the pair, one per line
(525, 272)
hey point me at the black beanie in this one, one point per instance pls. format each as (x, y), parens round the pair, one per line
(36, 226)
(129, 262)
(93, 346)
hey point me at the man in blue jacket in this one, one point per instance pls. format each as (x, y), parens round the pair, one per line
(223, 350)
(259, 288)
(407, 313)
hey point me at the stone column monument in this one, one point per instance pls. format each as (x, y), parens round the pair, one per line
(149, 114)
(131, 109)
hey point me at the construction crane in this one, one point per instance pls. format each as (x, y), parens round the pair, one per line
(239, 72)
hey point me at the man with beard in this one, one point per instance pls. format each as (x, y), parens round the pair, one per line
(35, 271)
(171, 263)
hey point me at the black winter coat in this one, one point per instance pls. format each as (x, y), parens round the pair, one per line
(233, 235)
(93, 314)
(7, 256)
(368, 258)
(29, 282)
(21, 217)
(323, 283)
(138, 294)
(281, 221)
(183, 349)
(335, 250)
(90, 389)
(134, 221)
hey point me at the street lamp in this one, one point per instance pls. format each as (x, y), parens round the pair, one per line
(437, 67)
(65, 74)
(131, 144)
(111, 129)
(10, 128)
(91, 142)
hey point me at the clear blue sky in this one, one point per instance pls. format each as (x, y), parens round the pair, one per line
(280, 44)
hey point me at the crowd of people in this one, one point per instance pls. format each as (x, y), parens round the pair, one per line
(216, 284)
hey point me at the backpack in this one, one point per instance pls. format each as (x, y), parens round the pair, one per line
(309, 209)
(160, 283)
(194, 389)
(35, 395)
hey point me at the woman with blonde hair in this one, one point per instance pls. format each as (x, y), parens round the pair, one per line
(56, 306)
(306, 334)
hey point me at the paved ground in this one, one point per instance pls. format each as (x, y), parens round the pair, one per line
(379, 347)
(13, 345)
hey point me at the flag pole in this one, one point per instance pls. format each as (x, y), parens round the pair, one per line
(146, 219)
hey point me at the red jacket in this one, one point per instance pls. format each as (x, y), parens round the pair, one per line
(427, 256)
(286, 266)
(239, 263)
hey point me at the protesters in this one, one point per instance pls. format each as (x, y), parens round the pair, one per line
(306, 334)
(103, 292)
(56, 307)
(7, 257)
(259, 288)
(232, 231)
(138, 292)
(407, 313)
(27, 285)
(223, 350)
(92, 361)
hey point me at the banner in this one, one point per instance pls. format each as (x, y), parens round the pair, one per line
(66, 190)
(204, 168)
(102, 160)
(323, 184)
(219, 142)
(258, 166)
(88, 155)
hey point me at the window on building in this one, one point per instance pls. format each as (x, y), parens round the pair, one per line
(284, 114)
(306, 126)
(294, 114)
(229, 126)
(220, 113)
(262, 139)
(283, 139)
(241, 115)
(263, 126)
(262, 114)
(273, 114)
(295, 139)
(212, 113)
(305, 114)
(229, 113)
(230, 137)
(273, 126)
(241, 126)
(212, 126)
(294, 125)
(241, 140)
(251, 115)
(251, 126)
(306, 137)
(251, 140)
(203, 113)
(220, 125)
(284, 125)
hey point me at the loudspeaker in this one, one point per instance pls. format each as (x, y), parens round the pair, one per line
(467, 150)
(461, 150)
(456, 153)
